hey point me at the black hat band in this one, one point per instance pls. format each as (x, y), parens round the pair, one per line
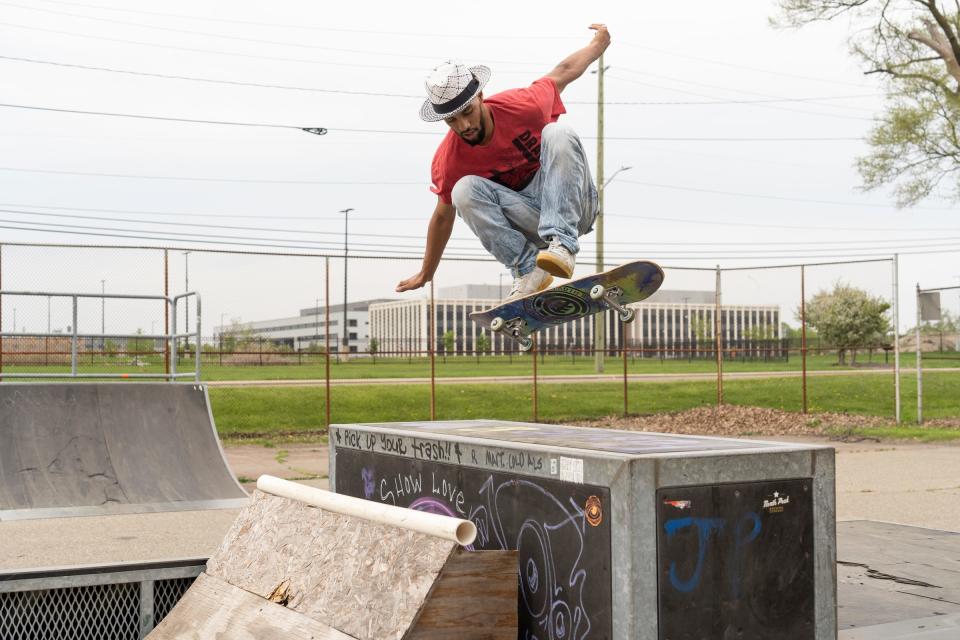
(465, 96)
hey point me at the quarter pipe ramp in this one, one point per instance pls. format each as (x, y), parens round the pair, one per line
(74, 449)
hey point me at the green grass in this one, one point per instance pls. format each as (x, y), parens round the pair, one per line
(266, 411)
(466, 366)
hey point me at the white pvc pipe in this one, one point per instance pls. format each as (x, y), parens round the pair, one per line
(463, 532)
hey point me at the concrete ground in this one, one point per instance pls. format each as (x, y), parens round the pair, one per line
(902, 482)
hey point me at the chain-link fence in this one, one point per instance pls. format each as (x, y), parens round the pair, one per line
(282, 352)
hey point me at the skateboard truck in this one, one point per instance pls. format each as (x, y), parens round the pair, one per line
(512, 329)
(610, 298)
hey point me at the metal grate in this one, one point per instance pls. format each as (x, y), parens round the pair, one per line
(166, 594)
(75, 613)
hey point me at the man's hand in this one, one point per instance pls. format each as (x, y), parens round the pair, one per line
(413, 282)
(602, 37)
(573, 66)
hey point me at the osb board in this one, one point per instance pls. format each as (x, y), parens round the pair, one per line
(475, 598)
(212, 608)
(365, 579)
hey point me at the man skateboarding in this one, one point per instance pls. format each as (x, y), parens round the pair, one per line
(519, 179)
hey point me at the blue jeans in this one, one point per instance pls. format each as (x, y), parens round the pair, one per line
(560, 201)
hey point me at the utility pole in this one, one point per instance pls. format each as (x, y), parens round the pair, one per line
(599, 319)
(346, 332)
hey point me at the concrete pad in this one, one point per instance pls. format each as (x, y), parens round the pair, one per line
(936, 628)
(103, 540)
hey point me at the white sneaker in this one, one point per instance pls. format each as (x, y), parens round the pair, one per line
(557, 259)
(536, 280)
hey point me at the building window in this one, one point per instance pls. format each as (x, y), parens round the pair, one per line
(352, 322)
(353, 336)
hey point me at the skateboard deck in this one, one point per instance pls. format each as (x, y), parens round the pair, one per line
(613, 289)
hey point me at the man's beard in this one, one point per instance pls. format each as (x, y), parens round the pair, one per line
(482, 134)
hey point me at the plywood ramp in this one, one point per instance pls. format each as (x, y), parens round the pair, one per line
(346, 577)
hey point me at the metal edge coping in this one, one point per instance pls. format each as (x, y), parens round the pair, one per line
(771, 446)
(9, 575)
(45, 513)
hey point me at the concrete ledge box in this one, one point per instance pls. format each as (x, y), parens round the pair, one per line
(622, 534)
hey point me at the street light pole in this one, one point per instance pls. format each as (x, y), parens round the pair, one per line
(610, 179)
(346, 333)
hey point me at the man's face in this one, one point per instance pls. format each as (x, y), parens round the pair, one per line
(468, 124)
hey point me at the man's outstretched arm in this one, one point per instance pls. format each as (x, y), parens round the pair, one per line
(438, 233)
(573, 66)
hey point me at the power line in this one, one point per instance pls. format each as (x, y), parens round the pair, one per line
(377, 247)
(166, 76)
(207, 34)
(700, 103)
(399, 255)
(759, 105)
(732, 65)
(170, 76)
(324, 130)
(770, 197)
(205, 179)
(315, 130)
(336, 234)
(234, 54)
(719, 87)
(458, 36)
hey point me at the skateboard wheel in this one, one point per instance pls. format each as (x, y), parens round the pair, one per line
(525, 343)
(497, 324)
(597, 291)
(627, 315)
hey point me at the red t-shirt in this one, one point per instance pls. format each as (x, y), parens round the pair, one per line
(512, 157)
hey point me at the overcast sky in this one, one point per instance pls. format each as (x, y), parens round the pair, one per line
(701, 93)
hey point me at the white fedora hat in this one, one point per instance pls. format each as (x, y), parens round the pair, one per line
(450, 88)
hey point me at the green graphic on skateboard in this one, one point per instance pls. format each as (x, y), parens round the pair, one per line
(613, 289)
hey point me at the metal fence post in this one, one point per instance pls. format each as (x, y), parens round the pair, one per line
(626, 405)
(536, 407)
(73, 340)
(1, 312)
(326, 333)
(147, 608)
(718, 339)
(433, 360)
(919, 364)
(197, 346)
(803, 331)
(896, 334)
(166, 310)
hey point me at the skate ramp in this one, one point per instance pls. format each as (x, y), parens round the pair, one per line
(291, 569)
(77, 449)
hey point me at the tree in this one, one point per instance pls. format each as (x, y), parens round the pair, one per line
(848, 318)
(483, 344)
(449, 341)
(914, 45)
(373, 346)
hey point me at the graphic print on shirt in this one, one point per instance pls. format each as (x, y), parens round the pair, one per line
(517, 178)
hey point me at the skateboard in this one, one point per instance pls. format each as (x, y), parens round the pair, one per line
(613, 289)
